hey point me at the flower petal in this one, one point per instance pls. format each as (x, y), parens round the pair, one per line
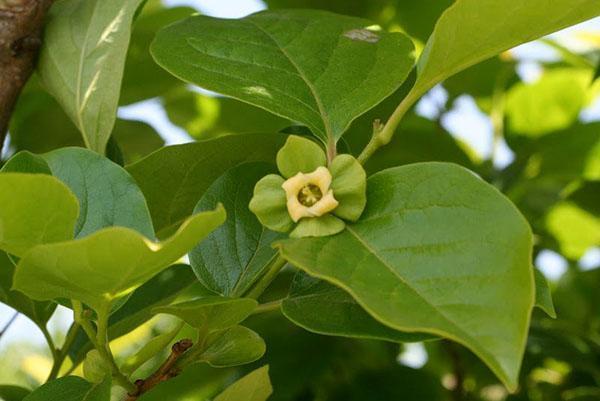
(269, 204)
(325, 205)
(299, 155)
(349, 187)
(318, 227)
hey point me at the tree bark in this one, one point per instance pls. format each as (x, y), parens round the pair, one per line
(21, 24)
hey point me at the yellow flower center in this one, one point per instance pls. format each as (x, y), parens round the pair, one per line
(309, 195)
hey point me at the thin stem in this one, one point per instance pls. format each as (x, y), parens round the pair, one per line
(331, 150)
(384, 135)
(9, 323)
(50, 341)
(275, 267)
(267, 307)
(64, 351)
(99, 338)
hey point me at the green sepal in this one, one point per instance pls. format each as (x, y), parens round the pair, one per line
(299, 155)
(269, 204)
(349, 187)
(318, 227)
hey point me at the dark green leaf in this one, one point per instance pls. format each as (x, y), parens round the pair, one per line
(235, 255)
(315, 67)
(13, 393)
(174, 178)
(323, 308)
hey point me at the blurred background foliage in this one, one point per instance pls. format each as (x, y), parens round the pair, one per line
(527, 123)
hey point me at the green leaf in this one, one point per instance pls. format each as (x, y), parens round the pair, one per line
(13, 393)
(431, 238)
(543, 295)
(38, 312)
(175, 177)
(315, 67)
(204, 117)
(143, 78)
(34, 209)
(149, 350)
(197, 382)
(71, 388)
(255, 386)
(82, 60)
(236, 254)
(211, 313)
(106, 265)
(575, 229)
(460, 41)
(299, 155)
(37, 114)
(549, 104)
(108, 195)
(323, 308)
(236, 346)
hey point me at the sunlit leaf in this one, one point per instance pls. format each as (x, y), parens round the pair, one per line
(108, 264)
(211, 313)
(81, 62)
(255, 386)
(34, 209)
(436, 250)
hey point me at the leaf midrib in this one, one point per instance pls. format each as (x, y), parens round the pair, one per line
(302, 74)
(408, 285)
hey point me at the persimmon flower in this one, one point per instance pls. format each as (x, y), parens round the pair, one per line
(308, 197)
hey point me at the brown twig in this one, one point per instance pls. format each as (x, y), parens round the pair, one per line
(21, 23)
(166, 371)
